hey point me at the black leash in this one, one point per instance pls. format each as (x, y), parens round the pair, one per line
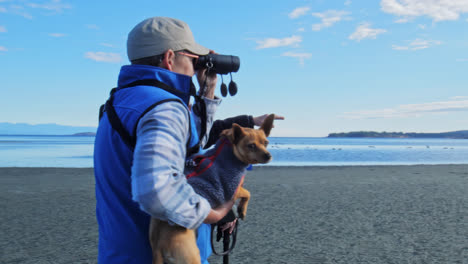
(227, 245)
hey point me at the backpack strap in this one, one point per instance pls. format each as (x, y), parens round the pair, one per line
(117, 125)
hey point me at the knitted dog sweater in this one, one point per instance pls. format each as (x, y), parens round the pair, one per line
(217, 174)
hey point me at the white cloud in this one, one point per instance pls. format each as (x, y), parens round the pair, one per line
(53, 5)
(458, 103)
(438, 10)
(19, 10)
(298, 12)
(395, 47)
(3, 48)
(402, 20)
(300, 56)
(328, 18)
(275, 42)
(423, 44)
(103, 56)
(347, 2)
(3, 29)
(459, 98)
(364, 31)
(418, 44)
(23, 7)
(422, 26)
(57, 35)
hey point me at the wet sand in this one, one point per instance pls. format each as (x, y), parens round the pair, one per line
(362, 214)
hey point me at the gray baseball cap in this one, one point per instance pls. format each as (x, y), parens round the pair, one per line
(156, 35)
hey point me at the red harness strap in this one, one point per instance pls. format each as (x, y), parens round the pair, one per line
(200, 159)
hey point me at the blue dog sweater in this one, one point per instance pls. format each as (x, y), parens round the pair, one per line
(217, 174)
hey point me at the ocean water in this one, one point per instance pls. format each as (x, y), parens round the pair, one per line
(367, 151)
(46, 151)
(74, 151)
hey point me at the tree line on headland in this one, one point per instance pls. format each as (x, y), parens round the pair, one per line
(462, 134)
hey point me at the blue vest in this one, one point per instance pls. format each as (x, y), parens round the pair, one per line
(123, 226)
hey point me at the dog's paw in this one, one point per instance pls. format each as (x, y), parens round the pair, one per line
(241, 213)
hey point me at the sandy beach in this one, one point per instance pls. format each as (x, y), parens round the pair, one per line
(361, 214)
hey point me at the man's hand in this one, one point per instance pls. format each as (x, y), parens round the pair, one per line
(258, 120)
(229, 226)
(207, 82)
(219, 213)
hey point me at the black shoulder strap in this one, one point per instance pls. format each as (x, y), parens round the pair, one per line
(102, 109)
(202, 113)
(115, 121)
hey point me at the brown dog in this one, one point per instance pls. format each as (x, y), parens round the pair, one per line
(177, 245)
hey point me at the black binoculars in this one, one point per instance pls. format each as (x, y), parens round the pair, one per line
(221, 64)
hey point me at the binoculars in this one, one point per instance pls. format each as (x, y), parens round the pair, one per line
(221, 64)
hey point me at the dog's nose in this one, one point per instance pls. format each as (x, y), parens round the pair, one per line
(267, 156)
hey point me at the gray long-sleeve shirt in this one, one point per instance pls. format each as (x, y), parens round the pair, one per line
(158, 181)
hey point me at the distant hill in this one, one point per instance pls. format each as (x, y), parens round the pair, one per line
(462, 134)
(85, 134)
(44, 129)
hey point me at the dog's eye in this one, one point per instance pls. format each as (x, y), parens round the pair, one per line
(252, 146)
(266, 143)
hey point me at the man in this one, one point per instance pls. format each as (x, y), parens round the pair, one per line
(143, 138)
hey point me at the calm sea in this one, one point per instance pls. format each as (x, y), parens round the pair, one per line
(73, 151)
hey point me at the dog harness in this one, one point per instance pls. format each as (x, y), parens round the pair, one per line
(217, 174)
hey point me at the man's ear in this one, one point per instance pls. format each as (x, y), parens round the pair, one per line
(268, 124)
(168, 59)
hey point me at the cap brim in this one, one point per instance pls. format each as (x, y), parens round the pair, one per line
(198, 49)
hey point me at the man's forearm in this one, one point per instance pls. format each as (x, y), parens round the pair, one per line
(158, 182)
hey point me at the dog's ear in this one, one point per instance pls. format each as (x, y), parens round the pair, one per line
(233, 134)
(227, 133)
(238, 133)
(268, 124)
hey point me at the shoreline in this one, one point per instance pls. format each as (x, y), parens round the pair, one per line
(274, 166)
(311, 214)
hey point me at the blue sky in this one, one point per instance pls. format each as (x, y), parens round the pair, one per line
(327, 66)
